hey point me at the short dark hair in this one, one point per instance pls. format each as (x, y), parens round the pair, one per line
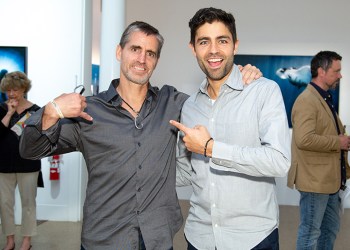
(145, 28)
(16, 79)
(324, 60)
(210, 15)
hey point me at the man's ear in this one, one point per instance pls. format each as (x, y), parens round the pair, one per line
(236, 47)
(118, 52)
(190, 45)
(321, 72)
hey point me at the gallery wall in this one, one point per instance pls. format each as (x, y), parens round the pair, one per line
(59, 58)
(273, 27)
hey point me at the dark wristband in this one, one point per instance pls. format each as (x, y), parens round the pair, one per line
(206, 145)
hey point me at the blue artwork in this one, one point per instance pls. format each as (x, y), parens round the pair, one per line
(95, 78)
(12, 59)
(292, 73)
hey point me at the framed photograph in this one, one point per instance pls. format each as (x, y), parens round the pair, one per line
(291, 73)
(12, 58)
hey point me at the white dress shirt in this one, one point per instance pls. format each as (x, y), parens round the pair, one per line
(234, 204)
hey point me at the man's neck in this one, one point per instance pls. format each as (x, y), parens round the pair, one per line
(132, 92)
(133, 96)
(320, 83)
(214, 89)
(214, 86)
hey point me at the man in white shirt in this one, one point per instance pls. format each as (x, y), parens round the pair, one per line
(235, 140)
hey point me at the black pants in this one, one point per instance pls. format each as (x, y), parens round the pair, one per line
(271, 242)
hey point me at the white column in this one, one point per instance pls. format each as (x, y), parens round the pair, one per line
(112, 27)
(86, 46)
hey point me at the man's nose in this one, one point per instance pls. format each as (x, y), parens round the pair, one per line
(213, 48)
(142, 57)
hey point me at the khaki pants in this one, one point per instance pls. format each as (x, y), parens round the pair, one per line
(27, 186)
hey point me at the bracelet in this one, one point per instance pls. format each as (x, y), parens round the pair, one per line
(206, 145)
(58, 110)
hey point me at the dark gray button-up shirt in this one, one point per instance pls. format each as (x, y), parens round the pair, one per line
(131, 171)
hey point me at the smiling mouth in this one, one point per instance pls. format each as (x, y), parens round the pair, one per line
(214, 62)
(139, 68)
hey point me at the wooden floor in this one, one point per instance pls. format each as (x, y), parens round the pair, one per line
(66, 235)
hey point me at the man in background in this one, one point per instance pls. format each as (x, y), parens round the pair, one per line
(235, 142)
(319, 155)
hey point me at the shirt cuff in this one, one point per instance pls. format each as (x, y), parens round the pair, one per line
(35, 120)
(222, 154)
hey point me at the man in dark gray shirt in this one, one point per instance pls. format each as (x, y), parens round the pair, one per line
(128, 145)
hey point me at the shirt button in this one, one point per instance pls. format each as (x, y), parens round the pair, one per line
(214, 205)
(216, 225)
(138, 211)
(212, 184)
(139, 143)
(139, 189)
(140, 166)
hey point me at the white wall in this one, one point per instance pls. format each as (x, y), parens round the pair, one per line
(273, 27)
(59, 57)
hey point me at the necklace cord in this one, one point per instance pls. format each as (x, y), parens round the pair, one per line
(138, 126)
(137, 112)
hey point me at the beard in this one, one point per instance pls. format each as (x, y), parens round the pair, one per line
(135, 78)
(216, 74)
(335, 84)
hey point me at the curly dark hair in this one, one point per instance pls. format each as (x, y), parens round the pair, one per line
(210, 15)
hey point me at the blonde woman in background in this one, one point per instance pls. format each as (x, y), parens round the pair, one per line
(14, 170)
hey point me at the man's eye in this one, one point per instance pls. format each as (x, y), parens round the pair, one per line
(134, 49)
(151, 54)
(203, 43)
(223, 41)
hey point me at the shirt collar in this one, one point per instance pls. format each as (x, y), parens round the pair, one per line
(234, 82)
(325, 94)
(112, 95)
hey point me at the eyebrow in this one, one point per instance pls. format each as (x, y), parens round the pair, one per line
(217, 38)
(135, 47)
(139, 47)
(224, 37)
